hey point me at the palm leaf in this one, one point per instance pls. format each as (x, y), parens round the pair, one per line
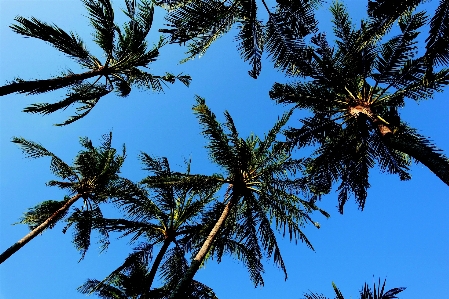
(437, 48)
(101, 16)
(220, 149)
(57, 166)
(40, 213)
(68, 43)
(250, 37)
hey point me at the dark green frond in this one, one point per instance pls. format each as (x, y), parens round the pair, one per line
(156, 83)
(250, 36)
(40, 213)
(103, 291)
(201, 22)
(300, 15)
(84, 223)
(68, 43)
(437, 48)
(57, 166)
(101, 16)
(270, 137)
(289, 52)
(132, 40)
(142, 255)
(337, 291)
(220, 149)
(400, 49)
(84, 94)
(343, 27)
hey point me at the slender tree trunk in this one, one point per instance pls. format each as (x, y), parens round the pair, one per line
(199, 258)
(55, 83)
(436, 162)
(157, 262)
(14, 248)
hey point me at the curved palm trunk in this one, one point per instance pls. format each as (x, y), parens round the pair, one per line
(406, 143)
(199, 258)
(157, 262)
(50, 84)
(436, 162)
(19, 244)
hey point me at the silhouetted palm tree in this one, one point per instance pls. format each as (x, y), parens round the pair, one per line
(260, 192)
(355, 90)
(125, 51)
(93, 179)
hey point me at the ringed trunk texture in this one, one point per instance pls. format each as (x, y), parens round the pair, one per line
(199, 258)
(55, 83)
(19, 244)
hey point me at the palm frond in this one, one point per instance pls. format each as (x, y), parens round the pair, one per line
(220, 149)
(37, 215)
(200, 22)
(250, 37)
(103, 291)
(84, 223)
(289, 53)
(101, 16)
(57, 166)
(398, 50)
(437, 47)
(384, 13)
(68, 43)
(84, 94)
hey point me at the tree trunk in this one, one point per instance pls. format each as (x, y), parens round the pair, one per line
(436, 162)
(14, 248)
(50, 84)
(157, 262)
(199, 258)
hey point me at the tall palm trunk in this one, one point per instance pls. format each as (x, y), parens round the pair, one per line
(50, 84)
(199, 258)
(19, 244)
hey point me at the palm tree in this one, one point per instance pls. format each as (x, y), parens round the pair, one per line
(260, 191)
(200, 22)
(365, 293)
(171, 217)
(93, 179)
(355, 90)
(125, 51)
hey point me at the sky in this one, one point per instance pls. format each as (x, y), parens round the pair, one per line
(402, 234)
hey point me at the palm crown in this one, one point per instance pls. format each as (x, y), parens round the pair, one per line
(125, 50)
(93, 178)
(355, 91)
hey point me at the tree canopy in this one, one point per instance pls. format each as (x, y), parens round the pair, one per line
(352, 75)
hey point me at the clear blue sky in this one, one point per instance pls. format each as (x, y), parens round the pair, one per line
(402, 234)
